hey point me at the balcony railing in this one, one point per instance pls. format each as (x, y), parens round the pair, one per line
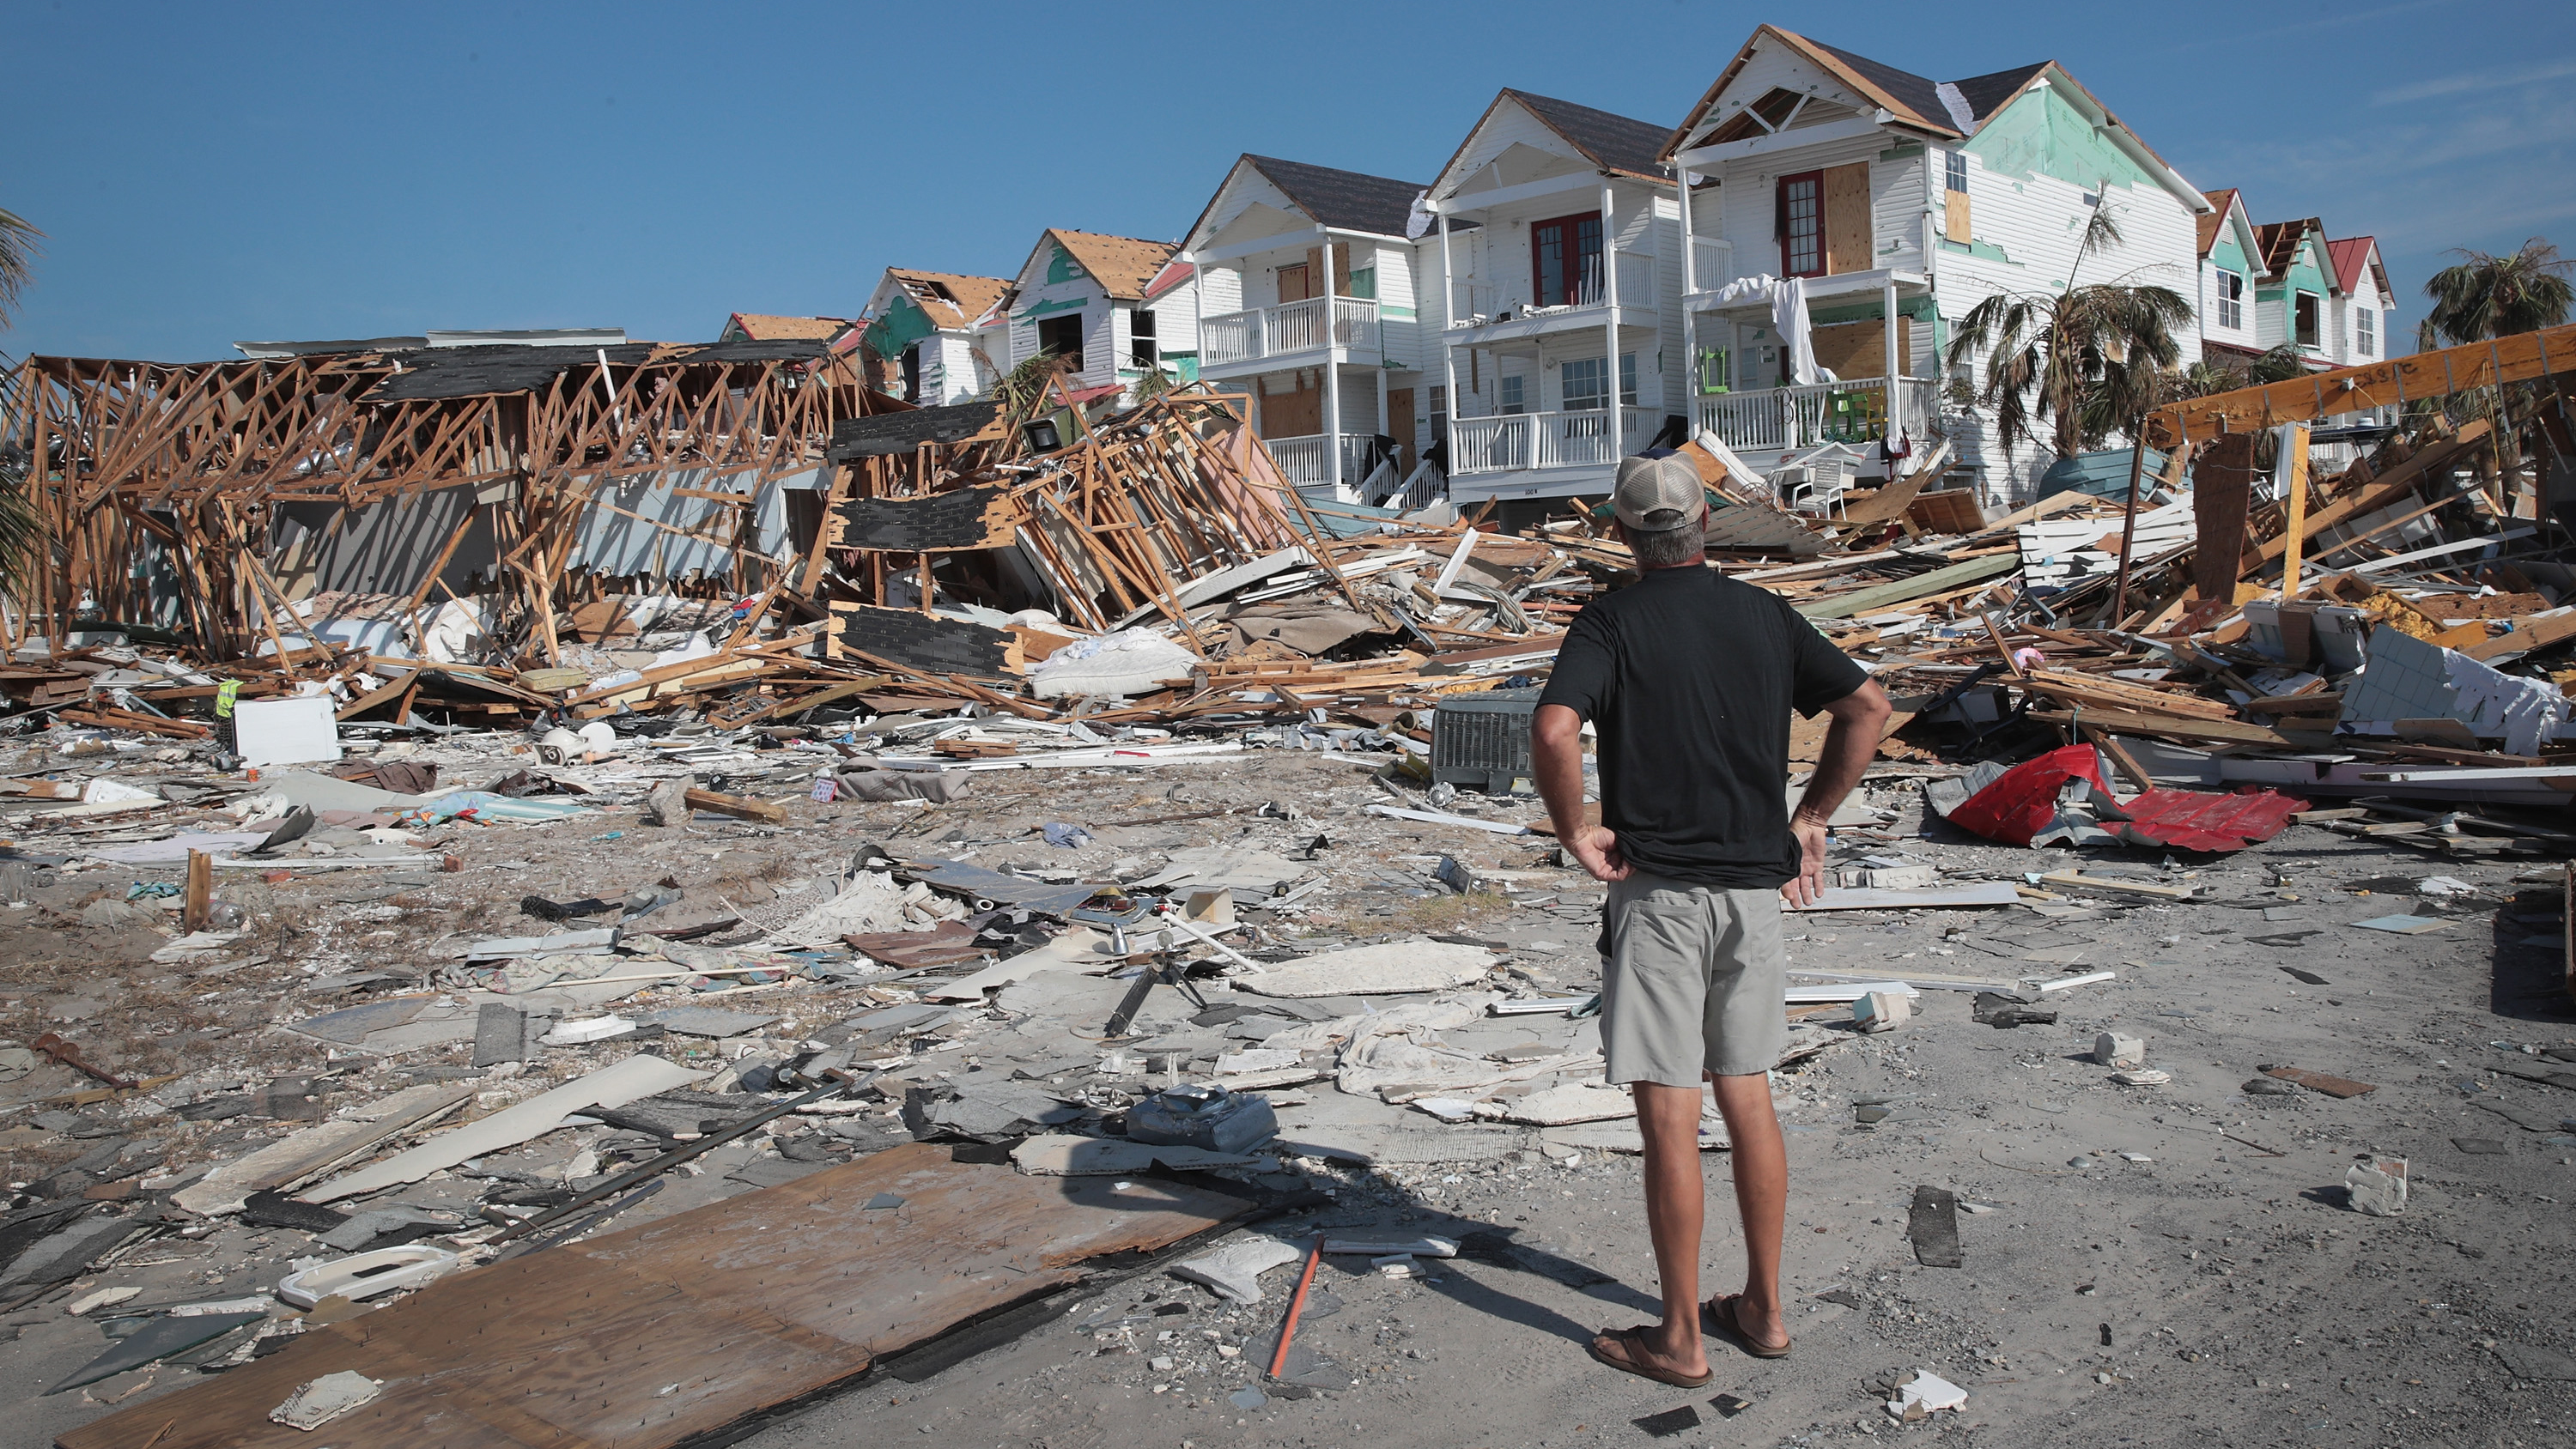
(1777, 419)
(1517, 442)
(1290, 327)
(1476, 303)
(1712, 262)
(1305, 460)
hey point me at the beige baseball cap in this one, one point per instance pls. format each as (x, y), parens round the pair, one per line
(1657, 495)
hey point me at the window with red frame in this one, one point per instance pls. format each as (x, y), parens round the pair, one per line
(1802, 224)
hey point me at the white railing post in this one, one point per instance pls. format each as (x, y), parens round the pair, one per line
(1690, 284)
(1448, 353)
(1610, 310)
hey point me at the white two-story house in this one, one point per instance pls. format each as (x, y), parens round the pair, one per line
(921, 326)
(1898, 203)
(2231, 269)
(1556, 248)
(1083, 297)
(2358, 321)
(1307, 306)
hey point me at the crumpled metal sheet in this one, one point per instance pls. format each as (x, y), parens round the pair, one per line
(2204, 821)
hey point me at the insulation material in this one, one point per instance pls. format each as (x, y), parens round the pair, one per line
(1130, 662)
(2409, 679)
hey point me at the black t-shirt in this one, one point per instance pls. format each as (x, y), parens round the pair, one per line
(1688, 677)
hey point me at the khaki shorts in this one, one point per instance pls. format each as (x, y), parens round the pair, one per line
(1693, 981)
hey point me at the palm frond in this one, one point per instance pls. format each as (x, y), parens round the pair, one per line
(18, 251)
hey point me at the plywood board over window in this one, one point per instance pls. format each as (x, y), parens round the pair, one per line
(1290, 408)
(1847, 229)
(1859, 349)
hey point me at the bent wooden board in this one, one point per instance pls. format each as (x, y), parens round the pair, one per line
(662, 1332)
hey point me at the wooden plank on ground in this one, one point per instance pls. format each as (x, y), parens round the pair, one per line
(745, 1304)
(1879, 598)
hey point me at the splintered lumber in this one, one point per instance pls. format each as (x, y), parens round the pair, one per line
(2080, 880)
(741, 807)
(2122, 695)
(110, 718)
(757, 1301)
(2389, 384)
(2172, 727)
(2400, 480)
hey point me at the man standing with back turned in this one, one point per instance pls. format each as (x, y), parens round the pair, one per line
(1688, 678)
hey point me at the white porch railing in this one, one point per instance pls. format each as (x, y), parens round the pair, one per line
(1519, 441)
(1474, 303)
(1852, 412)
(1304, 460)
(1290, 327)
(1712, 262)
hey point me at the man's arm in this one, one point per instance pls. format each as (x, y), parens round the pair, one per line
(1556, 754)
(1850, 743)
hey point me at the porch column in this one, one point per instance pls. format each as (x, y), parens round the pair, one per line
(1690, 322)
(1895, 363)
(1332, 382)
(1198, 315)
(1887, 309)
(1383, 425)
(1610, 329)
(1448, 356)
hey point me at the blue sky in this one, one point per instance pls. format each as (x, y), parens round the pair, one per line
(214, 172)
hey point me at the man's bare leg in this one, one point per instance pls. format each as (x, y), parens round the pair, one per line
(1668, 1118)
(1761, 1163)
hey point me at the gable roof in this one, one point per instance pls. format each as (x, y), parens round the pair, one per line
(1914, 96)
(1867, 77)
(770, 327)
(1122, 265)
(2353, 257)
(2280, 241)
(1613, 142)
(949, 299)
(2214, 220)
(1350, 200)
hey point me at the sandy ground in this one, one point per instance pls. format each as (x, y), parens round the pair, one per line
(2142, 1265)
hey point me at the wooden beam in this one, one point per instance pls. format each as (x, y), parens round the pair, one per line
(2393, 383)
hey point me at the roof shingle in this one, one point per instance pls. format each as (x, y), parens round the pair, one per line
(1617, 143)
(1347, 199)
(1122, 265)
(949, 299)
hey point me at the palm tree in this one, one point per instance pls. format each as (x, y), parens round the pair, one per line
(20, 532)
(2488, 296)
(2088, 360)
(17, 261)
(2280, 364)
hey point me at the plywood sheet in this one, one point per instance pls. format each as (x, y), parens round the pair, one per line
(1847, 223)
(654, 1335)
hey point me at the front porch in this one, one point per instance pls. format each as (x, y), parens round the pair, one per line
(1482, 314)
(1544, 454)
(1762, 426)
(1292, 334)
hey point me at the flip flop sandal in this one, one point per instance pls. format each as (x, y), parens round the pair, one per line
(1718, 1316)
(1631, 1358)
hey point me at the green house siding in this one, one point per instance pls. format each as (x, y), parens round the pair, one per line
(902, 325)
(2041, 135)
(1061, 267)
(2228, 254)
(2307, 274)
